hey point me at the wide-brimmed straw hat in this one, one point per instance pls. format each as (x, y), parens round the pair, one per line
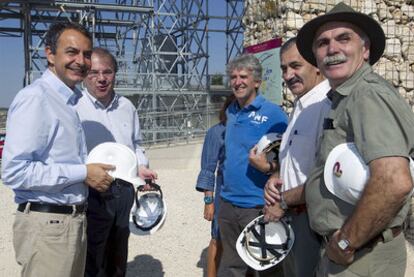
(342, 12)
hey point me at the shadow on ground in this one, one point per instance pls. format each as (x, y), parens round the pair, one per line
(202, 263)
(145, 265)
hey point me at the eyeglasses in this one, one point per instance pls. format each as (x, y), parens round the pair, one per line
(95, 73)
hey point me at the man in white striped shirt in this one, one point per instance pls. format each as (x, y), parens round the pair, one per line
(297, 154)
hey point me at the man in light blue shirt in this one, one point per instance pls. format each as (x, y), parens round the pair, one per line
(109, 117)
(44, 161)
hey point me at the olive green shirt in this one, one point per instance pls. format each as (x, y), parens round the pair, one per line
(368, 111)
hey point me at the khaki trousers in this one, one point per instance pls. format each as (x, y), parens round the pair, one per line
(49, 244)
(384, 260)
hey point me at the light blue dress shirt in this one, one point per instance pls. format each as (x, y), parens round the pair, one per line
(44, 153)
(118, 122)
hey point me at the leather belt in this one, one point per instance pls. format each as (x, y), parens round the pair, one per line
(53, 208)
(395, 231)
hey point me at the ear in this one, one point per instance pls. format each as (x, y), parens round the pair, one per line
(49, 55)
(366, 52)
(257, 84)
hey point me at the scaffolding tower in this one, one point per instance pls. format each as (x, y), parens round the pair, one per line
(162, 49)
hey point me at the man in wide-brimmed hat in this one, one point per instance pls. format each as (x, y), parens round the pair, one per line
(362, 239)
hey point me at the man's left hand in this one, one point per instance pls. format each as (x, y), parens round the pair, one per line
(336, 254)
(146, 173)
(273, 212)
(258, 160)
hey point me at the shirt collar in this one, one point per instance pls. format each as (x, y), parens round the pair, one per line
(98, 104)
(70, 96)
(255, 105)
(348, 86)
(306, 100)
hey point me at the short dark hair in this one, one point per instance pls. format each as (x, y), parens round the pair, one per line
(56, 30)
(286, 46)
(103, 52)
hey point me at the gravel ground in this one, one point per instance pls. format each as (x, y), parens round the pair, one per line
(179, 248)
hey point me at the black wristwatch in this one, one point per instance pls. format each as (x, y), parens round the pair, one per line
(208, 200)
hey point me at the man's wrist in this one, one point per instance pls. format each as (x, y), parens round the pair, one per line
(344, 243)
(282, 203)
(271, 168)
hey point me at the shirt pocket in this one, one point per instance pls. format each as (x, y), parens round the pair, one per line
(302, 149)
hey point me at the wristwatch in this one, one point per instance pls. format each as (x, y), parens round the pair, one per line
(283, 204)
(208, 200)
(344, 245)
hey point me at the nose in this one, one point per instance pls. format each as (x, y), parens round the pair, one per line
(237, 81)
(82, 59)
(332, 47)
(101, 76)
(288, 74)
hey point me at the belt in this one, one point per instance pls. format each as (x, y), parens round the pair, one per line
(53, 208)
(392, 232)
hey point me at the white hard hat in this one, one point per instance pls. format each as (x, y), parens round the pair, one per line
(149, 210)
(119, 155)
(262, 245)
(270, 144)
(346, 173)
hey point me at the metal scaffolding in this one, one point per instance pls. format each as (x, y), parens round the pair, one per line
(162, 48)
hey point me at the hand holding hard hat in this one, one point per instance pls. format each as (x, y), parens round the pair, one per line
(119, 155)
(270, 144)
(262, 245)
(346, 174)
(149, 210)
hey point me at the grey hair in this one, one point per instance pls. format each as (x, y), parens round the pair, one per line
(246, 61)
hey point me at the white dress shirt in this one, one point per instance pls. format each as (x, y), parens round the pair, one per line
(300, 142)
(118, 122)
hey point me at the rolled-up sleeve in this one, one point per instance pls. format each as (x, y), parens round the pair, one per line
(209, 161)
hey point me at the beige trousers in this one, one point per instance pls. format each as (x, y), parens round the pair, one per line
(384, 260)
(49, 244)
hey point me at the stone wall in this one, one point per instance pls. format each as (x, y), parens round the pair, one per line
(267, 19)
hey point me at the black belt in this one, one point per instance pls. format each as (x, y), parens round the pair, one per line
(53, 208)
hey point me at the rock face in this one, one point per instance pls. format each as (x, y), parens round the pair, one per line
(266, 19)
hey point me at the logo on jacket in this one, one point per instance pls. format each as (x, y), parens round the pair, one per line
(257, 118)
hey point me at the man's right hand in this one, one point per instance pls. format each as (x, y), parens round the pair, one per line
(97, 176)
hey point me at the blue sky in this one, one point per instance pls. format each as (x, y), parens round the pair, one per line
(12, 58)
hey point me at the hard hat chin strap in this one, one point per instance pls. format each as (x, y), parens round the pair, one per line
(144, 205)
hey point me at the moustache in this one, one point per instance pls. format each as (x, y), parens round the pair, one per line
(339, 58)
(293, 80)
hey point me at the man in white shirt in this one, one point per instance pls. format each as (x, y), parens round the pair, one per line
(109, 117)
(297, 154)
